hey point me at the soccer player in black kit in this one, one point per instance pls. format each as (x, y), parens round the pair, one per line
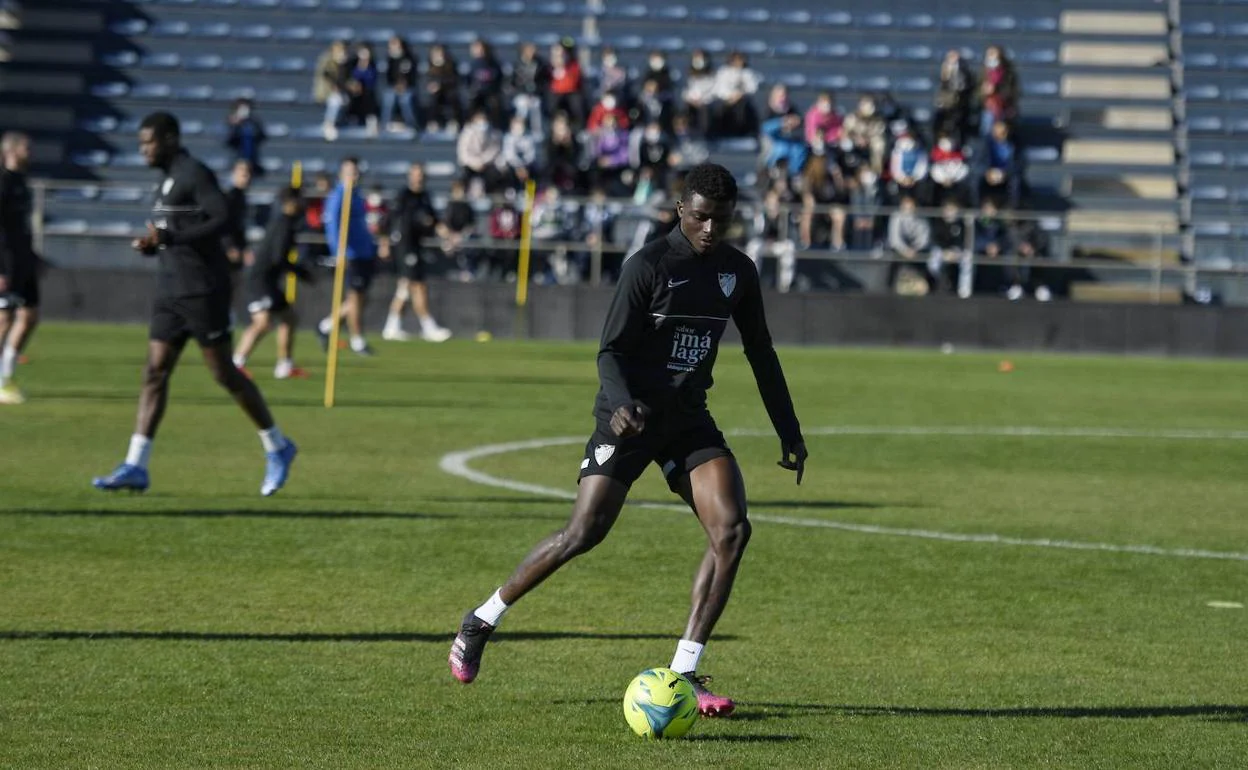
(659, 344)
(19, 264)
(189, 220)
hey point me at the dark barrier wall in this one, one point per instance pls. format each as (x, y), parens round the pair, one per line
(576, 313)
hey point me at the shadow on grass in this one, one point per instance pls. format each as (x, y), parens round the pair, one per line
(380, 636)
(274, 401)
(790, 710)
(826, 505)
(729, 738)
(184, 513)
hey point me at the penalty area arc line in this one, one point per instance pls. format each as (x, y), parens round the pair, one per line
(459, 464)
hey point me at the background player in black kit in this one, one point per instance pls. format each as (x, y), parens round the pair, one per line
(671, 306)
(412, 221)
(19, 264)
(265, 287)
(189, 219)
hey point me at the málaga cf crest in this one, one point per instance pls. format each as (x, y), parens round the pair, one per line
(728, 283)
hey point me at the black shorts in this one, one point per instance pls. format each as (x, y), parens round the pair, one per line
(22, 291)
(360, 274)
(677, 445)
(206, 318)
(414, 264)
(272, 302)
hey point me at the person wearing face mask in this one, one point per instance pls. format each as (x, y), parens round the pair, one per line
(530, 81)
(610, 155)
(650, 106)
(948, 171)
(699, 93)
(401, 75)
(999, 90)
(823, 188)
(485, 83)
(519, 155)
(609, 104)
(787, 142)
(446, 108)
(950, 256)
(735, 86)
(999, 168)
(563, 156)
(866, 129)
(362, 87)
(658, 71)
(908, 168)
(909, 236)
(778, 102)
(823, 122)
(688, 149)
(612, 76)
(864, 201)
(954, 96)
(773, 238)
(477, 149)
(246, 135)
(565, 84)
(650, 149)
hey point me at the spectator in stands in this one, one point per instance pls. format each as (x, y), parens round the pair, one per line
(866, 131)
(909, 237)
(530, 83)
(823, 121)
(596, 229)
(864, 202)
(992, 240)
(908, 167)
(566, 88)
(316, 251)
(500, 259)
(458, 221)
(333, 71)
(778, 102)
(551, 226)
(518, 159)
(609, 104)
(999, 90)
(246, 134)
(999, 168)
(238, 209)
(954, 97)
(563, 156)
(1030, 243)
(362, 89)
(658, 71)
(478, 149)
(650, 148)
(951, 251)
(613, 76)
(610, 152)
(787, 142)
(948, 171)
(688, 149)
(823, 186)
(699, 93)
(772, 237)
(376, 213)
(446, 107)
(735, 86)
(485, 83)
(401, 86)
(651, 107)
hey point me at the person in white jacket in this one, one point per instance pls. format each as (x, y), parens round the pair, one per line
(735, 86)
(478, 149)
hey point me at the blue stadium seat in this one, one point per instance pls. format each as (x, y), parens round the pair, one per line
(793, 80)
(245, 64)
(801, 18)
(151, 91)
(836, 19)
(197, 93)
(1208, 159)
(1205, 123)
(167, 60)
(204, 62)
(471, 7)
(875, 51)
(1000, 24)
(128, 27)
(833, 51)
(915, 85)
(216, 29)
(916, 53)
(919, 21)
(344, 5)
(254, 31)
(673, 13)
(389, 6)
(626, 11)
(505, 8)
(1210, 193)
(713, 14)
(76, 194)
(873, 83)
(170, 29)
(753, 16)
(120, 59)
(122, 195)
(1199, 29)
(291, 64)
(959, 22)
(1043, 154)
(1202, 60)
(1041, 88)
(551, 8)
(261, 3)
(1040, 24)
(794, 48)
(295, 32)
(832, 82)
(330, 34)
(877, 20)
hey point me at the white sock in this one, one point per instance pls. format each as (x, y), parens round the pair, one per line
(358, 343)
(8, 362)
(272, 440)
(283, 367)
(492, 611)
(428, 323)
(326, 326)
(394, 322)
(688, 653)
(240, 361)
(140, 451)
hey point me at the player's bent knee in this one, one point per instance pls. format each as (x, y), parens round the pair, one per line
(578, 540)
(731, 538)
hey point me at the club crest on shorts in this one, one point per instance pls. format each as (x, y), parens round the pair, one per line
(603, 452)
(728, 283)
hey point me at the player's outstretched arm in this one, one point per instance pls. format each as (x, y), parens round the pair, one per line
(623, 330)
(751, 321)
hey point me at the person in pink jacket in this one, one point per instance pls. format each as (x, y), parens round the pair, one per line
(823, 121)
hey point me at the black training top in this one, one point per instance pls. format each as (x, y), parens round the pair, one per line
(272, 258)
(412, 220)
(663, 329)
(192, 218)
(17, 251)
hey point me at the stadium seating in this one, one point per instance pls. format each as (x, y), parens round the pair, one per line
(1096, 78)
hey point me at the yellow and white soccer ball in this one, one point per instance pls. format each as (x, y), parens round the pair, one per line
(660, 703)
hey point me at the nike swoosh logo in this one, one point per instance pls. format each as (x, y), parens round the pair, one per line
(673, 284)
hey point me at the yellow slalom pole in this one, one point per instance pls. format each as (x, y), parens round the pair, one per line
(340, 274)
(292, 282)
(526, 244)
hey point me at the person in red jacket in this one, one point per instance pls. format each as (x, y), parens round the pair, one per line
(565, 84)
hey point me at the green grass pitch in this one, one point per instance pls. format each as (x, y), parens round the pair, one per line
(200, 625)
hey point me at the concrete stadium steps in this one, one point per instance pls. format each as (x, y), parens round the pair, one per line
(1100, 54)
(1119, 152)
(1107, 23)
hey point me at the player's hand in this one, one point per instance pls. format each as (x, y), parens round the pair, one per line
(147, 244)
(798, 462)
(628, 420)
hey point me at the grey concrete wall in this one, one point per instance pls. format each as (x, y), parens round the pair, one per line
(576, 313)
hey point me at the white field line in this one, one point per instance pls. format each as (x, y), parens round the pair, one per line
(458, 464)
